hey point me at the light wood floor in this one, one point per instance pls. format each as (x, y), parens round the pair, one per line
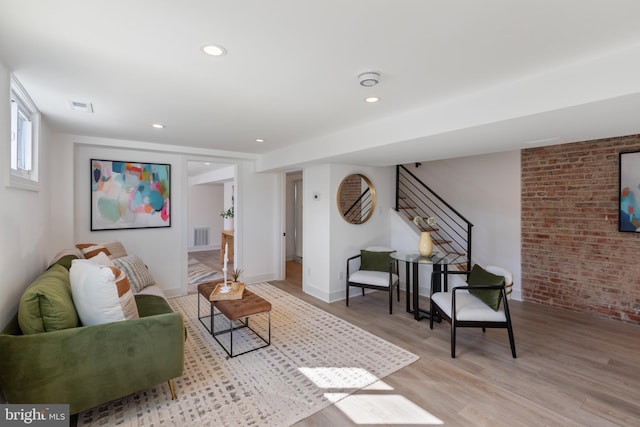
(209, 258)
(572, 369)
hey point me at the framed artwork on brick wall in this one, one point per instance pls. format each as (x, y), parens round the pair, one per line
(629, 219)
(127, 195)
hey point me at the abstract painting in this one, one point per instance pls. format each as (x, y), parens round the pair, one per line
(629, 192)
(129, 195)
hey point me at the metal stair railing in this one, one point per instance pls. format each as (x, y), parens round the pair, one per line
(452, 232)
(362, 204)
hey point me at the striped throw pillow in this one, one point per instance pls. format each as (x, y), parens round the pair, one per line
(136, 270)
(91, 250)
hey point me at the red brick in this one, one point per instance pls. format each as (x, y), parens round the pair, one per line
(573, 255)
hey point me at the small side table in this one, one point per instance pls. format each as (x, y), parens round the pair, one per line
(440, 262)
(238, 310)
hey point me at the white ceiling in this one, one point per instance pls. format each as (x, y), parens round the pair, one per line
(458, 77)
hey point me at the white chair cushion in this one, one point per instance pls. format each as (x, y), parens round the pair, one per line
(457, 280)
(375, 278)
(468, 307)
(379, 249)
(508, 277)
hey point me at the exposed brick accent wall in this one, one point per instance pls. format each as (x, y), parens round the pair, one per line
(572, 253)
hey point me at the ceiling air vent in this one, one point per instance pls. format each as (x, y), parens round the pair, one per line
(84, 107)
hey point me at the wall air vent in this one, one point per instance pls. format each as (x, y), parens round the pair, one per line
(83, 107)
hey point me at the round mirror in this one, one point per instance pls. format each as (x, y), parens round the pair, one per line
(356, 199)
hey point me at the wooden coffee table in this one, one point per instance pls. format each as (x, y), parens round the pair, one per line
(237, 312)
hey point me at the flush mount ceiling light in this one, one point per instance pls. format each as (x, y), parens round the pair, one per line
(158, 125)
(214, 50)
(369, 78)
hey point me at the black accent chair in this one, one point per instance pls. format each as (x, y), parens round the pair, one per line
(373, 268)
(462, 309)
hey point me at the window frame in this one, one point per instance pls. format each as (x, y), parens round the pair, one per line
(21, 105)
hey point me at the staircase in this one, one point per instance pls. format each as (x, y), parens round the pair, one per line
(452, 231)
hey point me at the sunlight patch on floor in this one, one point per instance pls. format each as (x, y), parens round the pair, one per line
(379, 407)
(339, 378)
(378, 386)
(385, 409)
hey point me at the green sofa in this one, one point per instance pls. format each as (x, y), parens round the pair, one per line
(86, 366)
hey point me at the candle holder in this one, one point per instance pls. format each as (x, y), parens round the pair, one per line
(225, 289)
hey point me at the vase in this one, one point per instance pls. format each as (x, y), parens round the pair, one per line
(425, 245)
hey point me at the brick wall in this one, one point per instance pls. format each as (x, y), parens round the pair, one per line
(572, 253)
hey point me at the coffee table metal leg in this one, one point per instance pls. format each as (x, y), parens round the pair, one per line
(212, 312)
(231, 337)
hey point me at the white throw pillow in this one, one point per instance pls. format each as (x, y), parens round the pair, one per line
(101, 294)
(102, 259)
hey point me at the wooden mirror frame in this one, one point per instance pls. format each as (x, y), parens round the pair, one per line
(355, 205)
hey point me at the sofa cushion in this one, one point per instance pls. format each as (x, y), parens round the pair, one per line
(480, 277)
(47, 304)
(64, 261)
(102, 294)
(136, 270)
(151, 290)
(65, 256)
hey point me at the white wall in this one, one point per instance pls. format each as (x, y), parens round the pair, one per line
(316, 244)
(486, 190)
(328, 239)
(163, 249)
(205, 202)
(258, 234)
(25, 223)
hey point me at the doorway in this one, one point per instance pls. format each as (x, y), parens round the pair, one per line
(294, 226)
(210, 211)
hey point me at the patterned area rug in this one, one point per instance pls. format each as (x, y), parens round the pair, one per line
(315, 359)
(198, 272)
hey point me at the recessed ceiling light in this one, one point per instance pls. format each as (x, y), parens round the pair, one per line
(372, 99)
(158, 125)
(214, 50)
(259, 140)
(207, 163)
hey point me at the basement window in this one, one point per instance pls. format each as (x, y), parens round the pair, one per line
(25, 130)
